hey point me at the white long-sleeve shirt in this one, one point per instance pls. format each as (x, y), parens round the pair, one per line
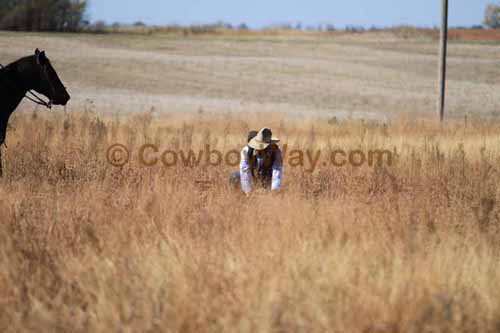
(246, 170)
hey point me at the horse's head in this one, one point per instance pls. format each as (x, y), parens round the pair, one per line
(46, 81)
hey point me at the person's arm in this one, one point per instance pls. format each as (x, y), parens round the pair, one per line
(277, 171)
(245, 171)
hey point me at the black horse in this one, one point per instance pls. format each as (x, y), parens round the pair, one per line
(20, 78)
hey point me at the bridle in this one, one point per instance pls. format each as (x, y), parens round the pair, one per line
(31, 95)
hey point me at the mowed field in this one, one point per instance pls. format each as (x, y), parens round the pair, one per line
(372, 75)
(407, 246)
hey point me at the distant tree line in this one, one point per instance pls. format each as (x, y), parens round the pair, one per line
(69, 15)
(42, 15)
(492, 16)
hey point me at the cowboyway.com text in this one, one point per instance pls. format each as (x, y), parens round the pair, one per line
(153, 155)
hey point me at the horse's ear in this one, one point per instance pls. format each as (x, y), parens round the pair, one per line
(37, 56)
(40, 57)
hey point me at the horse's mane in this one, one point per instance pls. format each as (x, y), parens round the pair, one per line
(14, 63)
(7, 73)
(3, 68)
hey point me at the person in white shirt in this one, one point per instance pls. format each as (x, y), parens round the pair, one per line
(261, 163)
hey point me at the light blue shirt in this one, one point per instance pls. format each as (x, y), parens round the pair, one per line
(246, 171)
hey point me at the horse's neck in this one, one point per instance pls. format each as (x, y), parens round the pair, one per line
(11, 96)
(6, 111)
(12, 92)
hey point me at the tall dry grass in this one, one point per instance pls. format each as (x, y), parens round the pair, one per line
(85, 246)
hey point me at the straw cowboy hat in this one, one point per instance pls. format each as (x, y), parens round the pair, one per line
(263, 139)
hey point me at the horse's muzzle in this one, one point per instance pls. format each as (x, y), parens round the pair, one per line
(62, 99)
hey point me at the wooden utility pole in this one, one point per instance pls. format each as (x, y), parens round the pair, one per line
(442, 60)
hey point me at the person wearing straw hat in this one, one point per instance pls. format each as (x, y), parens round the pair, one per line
(260, 164)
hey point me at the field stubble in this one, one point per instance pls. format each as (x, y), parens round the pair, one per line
(373, 75)
(85, 246)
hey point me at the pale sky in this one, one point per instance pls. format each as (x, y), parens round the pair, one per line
(258, 13)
